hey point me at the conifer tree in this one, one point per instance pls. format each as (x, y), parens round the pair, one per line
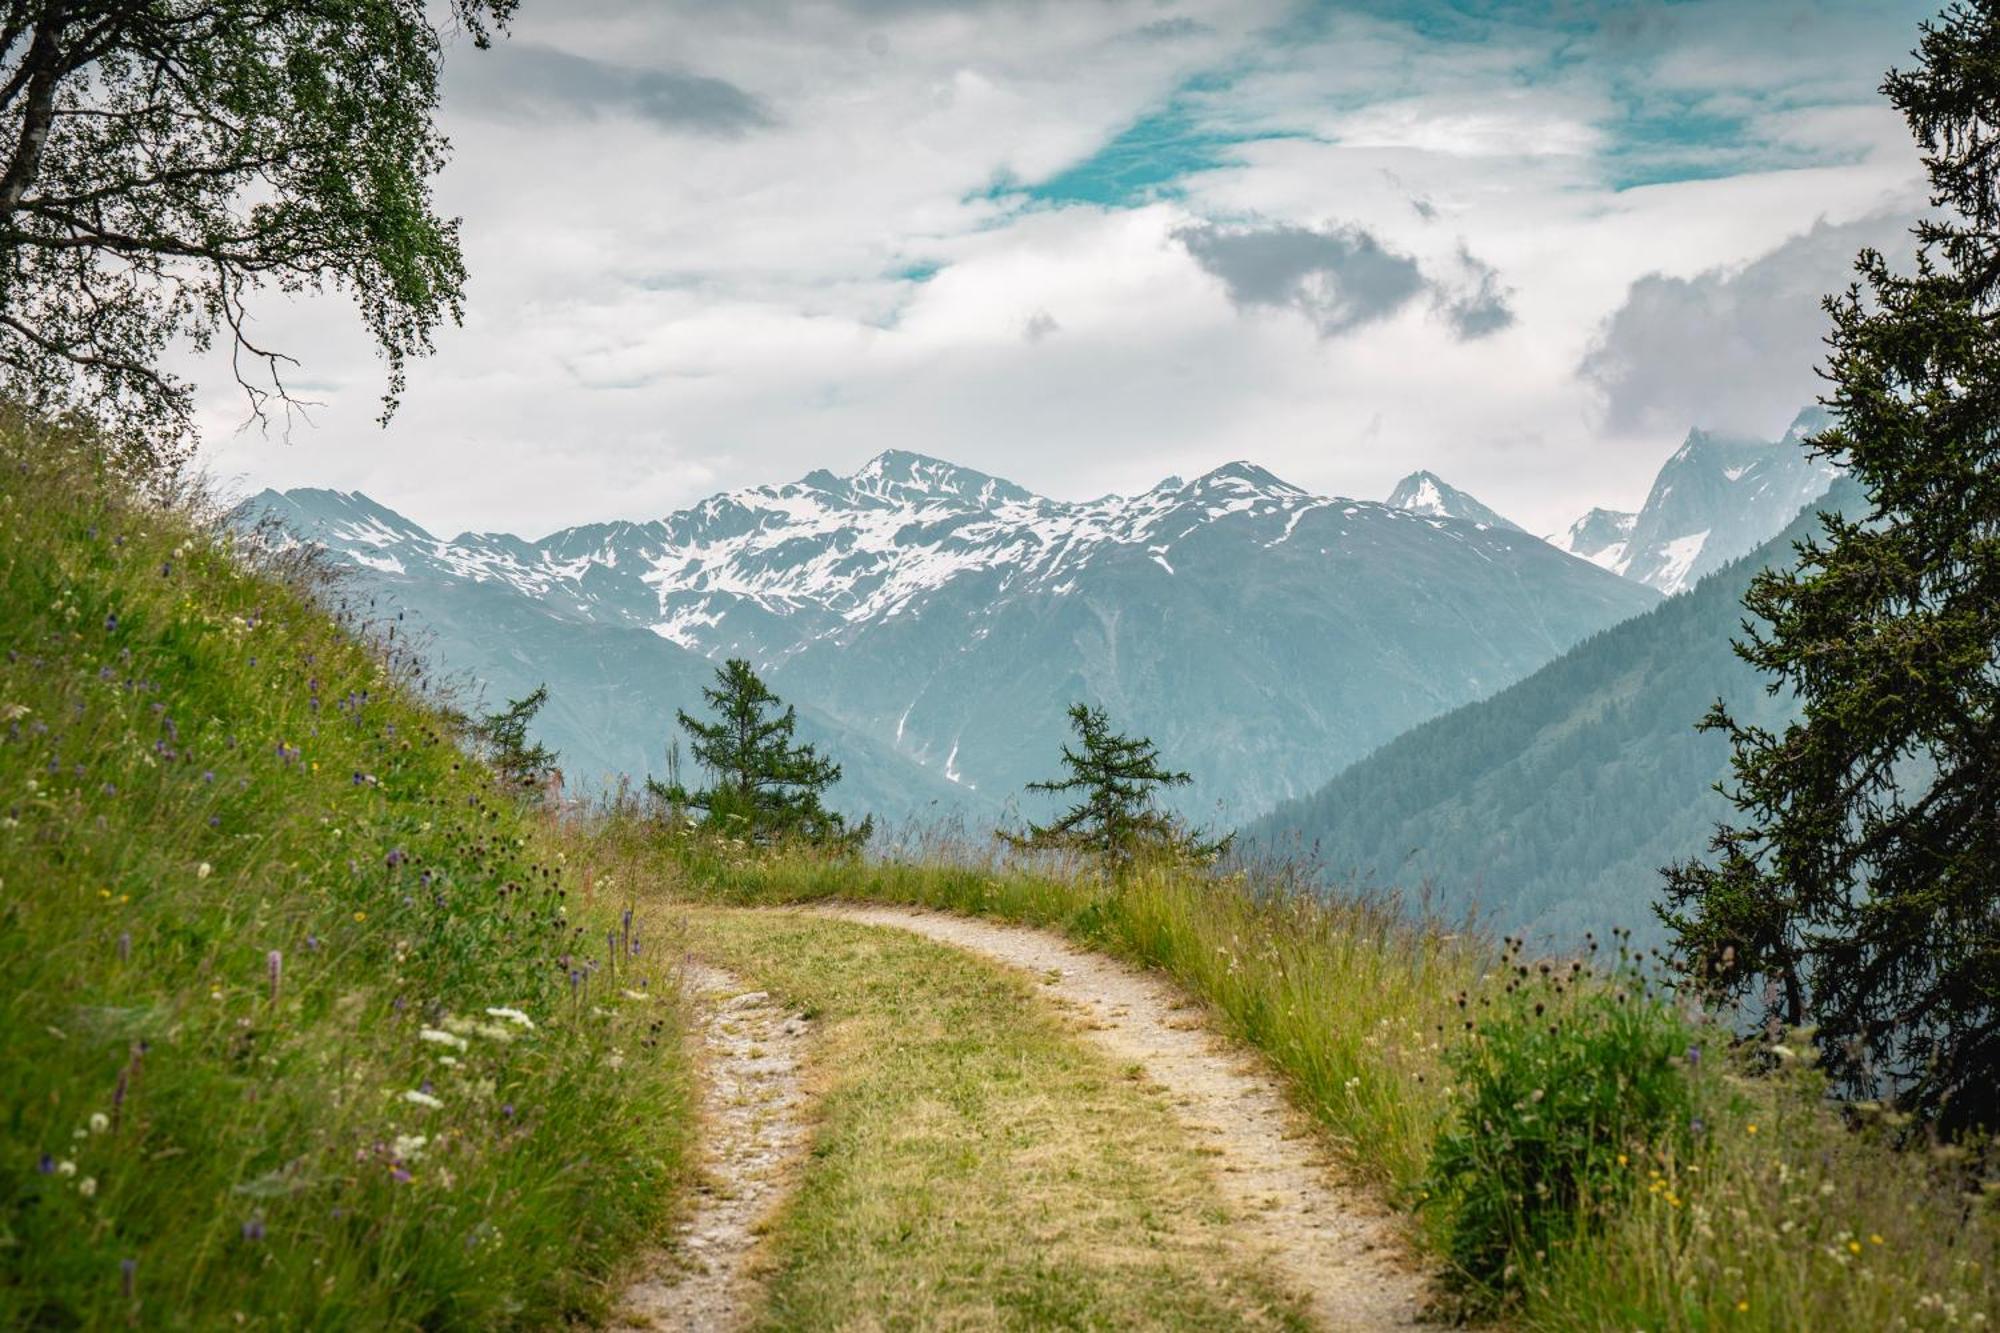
(1859, 887)
(1116, 819)
(519, 762)
(761, 781)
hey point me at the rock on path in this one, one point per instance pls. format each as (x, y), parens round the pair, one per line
(1327, 1241)
(753, 1130)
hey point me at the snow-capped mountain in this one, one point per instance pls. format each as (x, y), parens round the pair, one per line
(934, 622)
(1602, 537)
(1426, 493)
(1717, 498)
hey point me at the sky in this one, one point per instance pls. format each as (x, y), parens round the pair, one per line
(1085, 244)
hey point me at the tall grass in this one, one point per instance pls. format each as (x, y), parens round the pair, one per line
(301, 1024)
(1754, 1205)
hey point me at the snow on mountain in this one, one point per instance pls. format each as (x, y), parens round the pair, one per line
(1424, 493)
(1716, 499)
(1263, 635)
(1602, 537)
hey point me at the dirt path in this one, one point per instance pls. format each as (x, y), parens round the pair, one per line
(753, 1131)
(1329, 1241)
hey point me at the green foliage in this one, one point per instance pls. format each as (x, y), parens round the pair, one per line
(1116, 821)
(1565, 1082)
(165, 161)
(763, 783)
(519, 762)
(257, 915)
(1859, 884)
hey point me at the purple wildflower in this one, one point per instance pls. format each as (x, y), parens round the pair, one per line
(1694, 1055)
(312, 944)
(506, 1109)
(128, 1276)
(208, 775)
(215, 821)
(575, 980)
(253, 1230)
(47, 1166)
(426, 1088)
(399, 1175)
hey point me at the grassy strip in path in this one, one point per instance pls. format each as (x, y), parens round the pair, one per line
(976, 1166)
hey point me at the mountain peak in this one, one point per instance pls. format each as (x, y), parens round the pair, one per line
(1426, 493)
(900, 475)
(1243, 477)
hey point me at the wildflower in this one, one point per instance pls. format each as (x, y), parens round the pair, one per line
(359, 917)
(46, 1166)
(410, 1147)
(253, 1230)
(1854, 1247)
(1694, 1055)
(507, 1110)
(1875, 1239)
(204, 870)
(208, 775)
(1750, 1128)
(442, 1038)
(128, 1276)
(417, 1097)
(87, 1187)
(99, 1122)
(65, 1167)
(1743, 1307)
(400, 1176)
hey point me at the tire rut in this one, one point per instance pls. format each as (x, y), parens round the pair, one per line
(754, 1130)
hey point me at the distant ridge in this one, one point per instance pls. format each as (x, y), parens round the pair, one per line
(936, 621)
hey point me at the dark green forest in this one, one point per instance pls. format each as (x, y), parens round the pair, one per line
(1551, 806)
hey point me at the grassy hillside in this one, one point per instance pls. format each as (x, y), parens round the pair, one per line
(1552, 805)
(303, 1025)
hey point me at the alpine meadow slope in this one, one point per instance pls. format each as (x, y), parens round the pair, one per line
(1551, 807)
(938, 622)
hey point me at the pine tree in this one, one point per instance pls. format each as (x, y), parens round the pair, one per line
(1860, 886)
(505, 734)
(1116, 820)
(762, 783)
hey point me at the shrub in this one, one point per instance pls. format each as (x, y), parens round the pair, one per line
(1565, 1091)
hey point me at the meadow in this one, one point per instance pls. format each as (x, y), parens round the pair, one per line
(304, 1022)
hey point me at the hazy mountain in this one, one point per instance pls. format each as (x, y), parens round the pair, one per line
(1263, 636)
(1553, 804)
(1425, 493)
(1716, 499)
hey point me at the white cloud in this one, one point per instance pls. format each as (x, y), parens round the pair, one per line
(697, 253)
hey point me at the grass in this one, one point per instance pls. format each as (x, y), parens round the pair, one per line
(975, 1164)
(1781, 1216)
(257, 911)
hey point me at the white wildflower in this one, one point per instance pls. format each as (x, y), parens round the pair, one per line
(442, 1038)
(65, 1168)
(513, 1016)
(416, 1097)
(410, 1147)
(204, 870)
(87, 1186)
(99, 1122)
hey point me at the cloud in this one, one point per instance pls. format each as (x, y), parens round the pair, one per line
(1475, 304)
(1040, 325)
(1340, 279)
(1732, 349)
(523, 80)
(1344, 277)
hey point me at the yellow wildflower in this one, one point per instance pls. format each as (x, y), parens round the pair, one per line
(359, 917)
